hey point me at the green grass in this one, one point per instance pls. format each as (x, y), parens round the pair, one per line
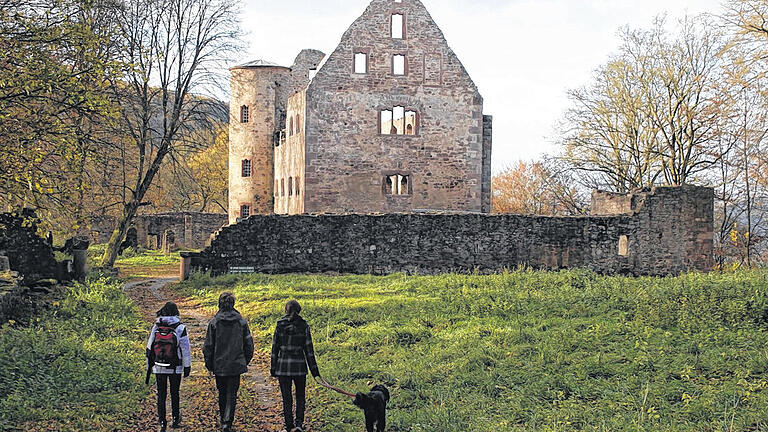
(139, 263)
(78, 366)
(529, 351)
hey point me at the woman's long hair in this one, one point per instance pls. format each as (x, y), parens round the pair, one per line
(170, 309)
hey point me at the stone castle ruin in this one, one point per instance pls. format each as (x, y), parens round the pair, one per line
(389, 122)
(377, 159)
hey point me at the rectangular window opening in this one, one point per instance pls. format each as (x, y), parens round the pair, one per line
(245, 211)
(245, 114)
(386, 122)
(397, 26)
(361, 63)
(624, 246)
(398, 64)
(399, 121)
(246, 168)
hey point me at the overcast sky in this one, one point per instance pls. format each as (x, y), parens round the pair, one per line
(523, 54)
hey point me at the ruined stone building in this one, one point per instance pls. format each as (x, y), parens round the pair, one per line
(389, 122)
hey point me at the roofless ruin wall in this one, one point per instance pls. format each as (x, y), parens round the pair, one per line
(660, 232)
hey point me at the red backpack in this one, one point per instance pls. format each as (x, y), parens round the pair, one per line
(165, 347)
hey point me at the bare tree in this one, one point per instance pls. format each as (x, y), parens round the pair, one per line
(649, 115)
(175, 48)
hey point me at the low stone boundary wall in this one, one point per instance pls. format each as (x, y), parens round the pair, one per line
(668, 232)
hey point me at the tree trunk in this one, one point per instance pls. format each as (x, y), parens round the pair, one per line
(118, 235)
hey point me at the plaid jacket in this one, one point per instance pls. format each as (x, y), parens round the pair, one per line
(292, 349)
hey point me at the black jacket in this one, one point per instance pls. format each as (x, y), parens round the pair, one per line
(228, 346)
(292, 348)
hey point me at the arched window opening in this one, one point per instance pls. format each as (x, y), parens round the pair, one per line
(290, 186)
(298, 187)
(298, 124)
(282, 187)
(290, 129)
(397, 184)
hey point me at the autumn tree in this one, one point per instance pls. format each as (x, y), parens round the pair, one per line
(174, 48)
(535, 188)
(57, 61)
(195, 180)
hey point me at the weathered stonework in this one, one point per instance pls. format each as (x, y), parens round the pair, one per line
(341, 157)
(667, 231)
(263, 88)
(165, 231)
(28, 254)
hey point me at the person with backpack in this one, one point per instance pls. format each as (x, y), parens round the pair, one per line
(292, 353)
(168, 357)
(228, 349)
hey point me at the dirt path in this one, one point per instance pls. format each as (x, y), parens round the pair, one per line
(258, 406)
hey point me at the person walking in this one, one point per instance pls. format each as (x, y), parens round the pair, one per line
(228, 349)
(168, 357)
(292, 354)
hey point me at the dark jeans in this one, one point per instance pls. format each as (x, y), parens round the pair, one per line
(301, 399)
(228, 387)
(162, 394)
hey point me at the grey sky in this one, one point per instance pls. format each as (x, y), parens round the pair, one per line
(523, 54)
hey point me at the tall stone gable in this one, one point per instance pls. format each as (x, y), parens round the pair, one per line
(348, 159)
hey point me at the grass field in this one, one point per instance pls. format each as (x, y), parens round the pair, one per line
(139, 264)
(77, 367)
(529, 351)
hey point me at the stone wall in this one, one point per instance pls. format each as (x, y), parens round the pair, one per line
(28, 254)
(290, 160)
(349, 158)
(487, 173)
(256, 88)
(670, 233)
(265, 90)
(166, 231)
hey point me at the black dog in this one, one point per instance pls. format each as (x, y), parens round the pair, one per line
(374, 405)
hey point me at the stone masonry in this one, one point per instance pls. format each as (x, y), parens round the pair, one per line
(165, 231)
(664, 231)
(28, 254)
(390, 122)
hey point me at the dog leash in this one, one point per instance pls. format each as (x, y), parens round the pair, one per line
(325, 384)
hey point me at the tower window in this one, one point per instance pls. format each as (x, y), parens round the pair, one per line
(297, 184)
(361, 63)
(399, 121)
(298, 124)
(245, 114)
(277, 189)
(398, 64)
(246, 168)
(282, 187)
(290, 130)
(398, 26)
(245, 211)
(290, 186)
